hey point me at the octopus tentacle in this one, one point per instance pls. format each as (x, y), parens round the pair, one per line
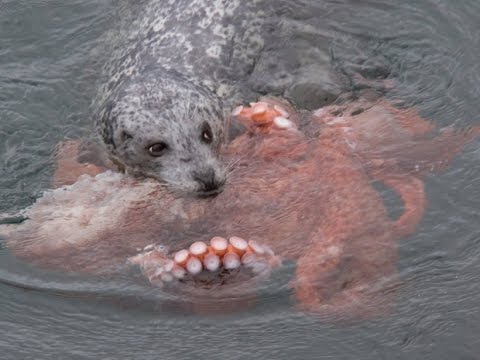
(159, 267)
(313, 268)
(68, 168)
(412, 192)
(263, 116)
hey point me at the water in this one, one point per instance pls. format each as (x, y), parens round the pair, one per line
(49, 61)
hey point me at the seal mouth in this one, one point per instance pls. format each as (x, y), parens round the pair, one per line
(209, 183)
(209, 193)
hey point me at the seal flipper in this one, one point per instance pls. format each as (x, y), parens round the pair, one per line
(12, 220)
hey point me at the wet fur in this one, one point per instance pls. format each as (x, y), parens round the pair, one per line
(176, 66)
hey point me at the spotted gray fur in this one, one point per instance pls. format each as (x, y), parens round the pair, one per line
(178, 64)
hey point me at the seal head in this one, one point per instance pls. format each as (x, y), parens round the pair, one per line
(167, 128)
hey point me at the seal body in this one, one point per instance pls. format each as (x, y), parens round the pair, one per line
(177, 67)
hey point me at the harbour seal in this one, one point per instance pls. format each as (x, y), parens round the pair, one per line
(176, 67)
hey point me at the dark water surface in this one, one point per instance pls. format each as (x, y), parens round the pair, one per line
(50, 56)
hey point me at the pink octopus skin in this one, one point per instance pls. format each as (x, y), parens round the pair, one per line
(305, 193)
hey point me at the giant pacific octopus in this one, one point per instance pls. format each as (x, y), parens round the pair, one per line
(302, 186)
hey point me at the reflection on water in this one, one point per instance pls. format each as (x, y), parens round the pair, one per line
(48, 65)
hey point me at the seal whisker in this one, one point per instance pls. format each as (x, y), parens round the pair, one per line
(231, 168)
(231, 165)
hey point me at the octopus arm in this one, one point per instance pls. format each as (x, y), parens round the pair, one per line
(68, 166)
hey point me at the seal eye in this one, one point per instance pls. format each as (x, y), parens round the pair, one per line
(207, 135)
(157, 149)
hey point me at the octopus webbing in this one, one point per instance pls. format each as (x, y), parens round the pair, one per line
(302, 188)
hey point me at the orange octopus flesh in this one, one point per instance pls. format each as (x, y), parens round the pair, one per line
(304, 191)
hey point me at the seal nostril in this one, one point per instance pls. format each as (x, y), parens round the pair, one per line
(208, 180)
